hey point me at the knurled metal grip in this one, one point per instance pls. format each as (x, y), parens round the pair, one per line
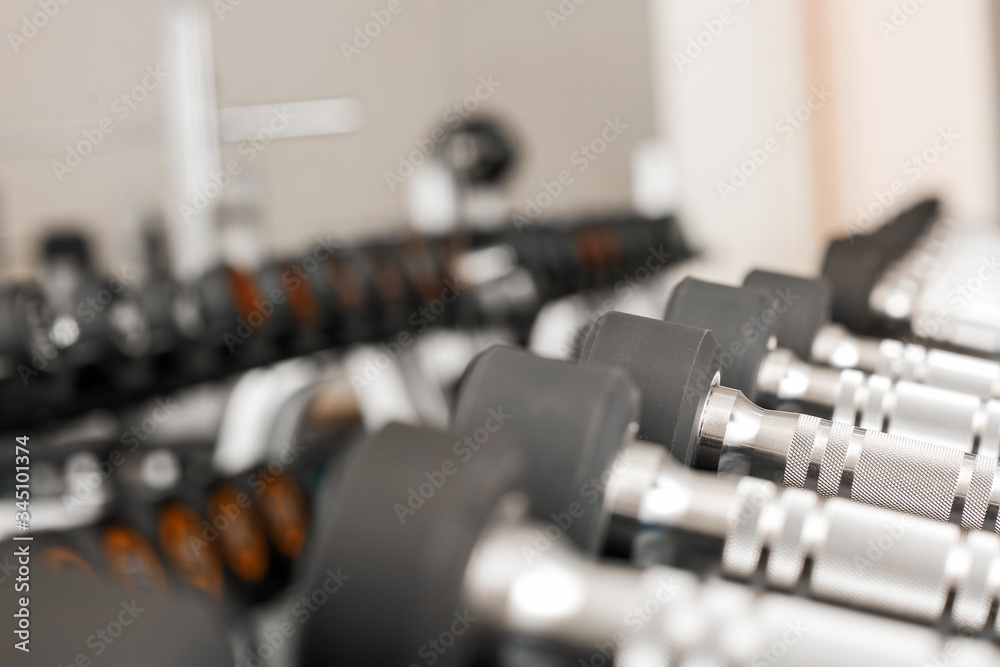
(932, 414)
(839, 459)
(863, 556)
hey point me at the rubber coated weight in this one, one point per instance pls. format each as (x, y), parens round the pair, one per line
(215, 301)
(854, 264)
(899, 234)
(124, 627)
(25, 322)
(569, 421)
(275, 303)
(396, 544)
(673, 366)
(804, 306)
(742, 320)
(853, 267)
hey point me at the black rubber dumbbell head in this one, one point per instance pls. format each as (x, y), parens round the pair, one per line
(898, 236)
(569, 421)
(672, 365)
(25, 323)
(395, 546)
(804, 305)
(853, 267)
(92, 617)
(742, 319)
(854, 264)
(68, 247)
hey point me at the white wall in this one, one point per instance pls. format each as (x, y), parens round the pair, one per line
(889, 98)
(901, 85)
(724, 103)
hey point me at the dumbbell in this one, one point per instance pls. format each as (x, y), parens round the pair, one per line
(944, 289)
(26, 328)
(160, 516)
(713, 427)
(465, 572)
(231, 319)
(807, 331)
(854, 265)
(589, 478)
(938, 285)
(112, 328)
(746, 319)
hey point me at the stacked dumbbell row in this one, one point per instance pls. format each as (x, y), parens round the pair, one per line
(590, 481)
(467, 544)
(233, 539)
(496, 542)
(933, 395)
(103, 350)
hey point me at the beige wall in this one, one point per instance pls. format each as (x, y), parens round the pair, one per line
(890, 95)
(901, 85)
(726, 101)
(557, 86)
(889, 98)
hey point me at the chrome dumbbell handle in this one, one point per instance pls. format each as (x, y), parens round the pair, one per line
(721, 623)
(664, 616)
(859, 555)
(863, 556)
(838, 459)
(899, 407)
(837, 347)
(919, 411)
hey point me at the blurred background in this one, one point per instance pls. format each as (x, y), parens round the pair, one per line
(693, 103)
